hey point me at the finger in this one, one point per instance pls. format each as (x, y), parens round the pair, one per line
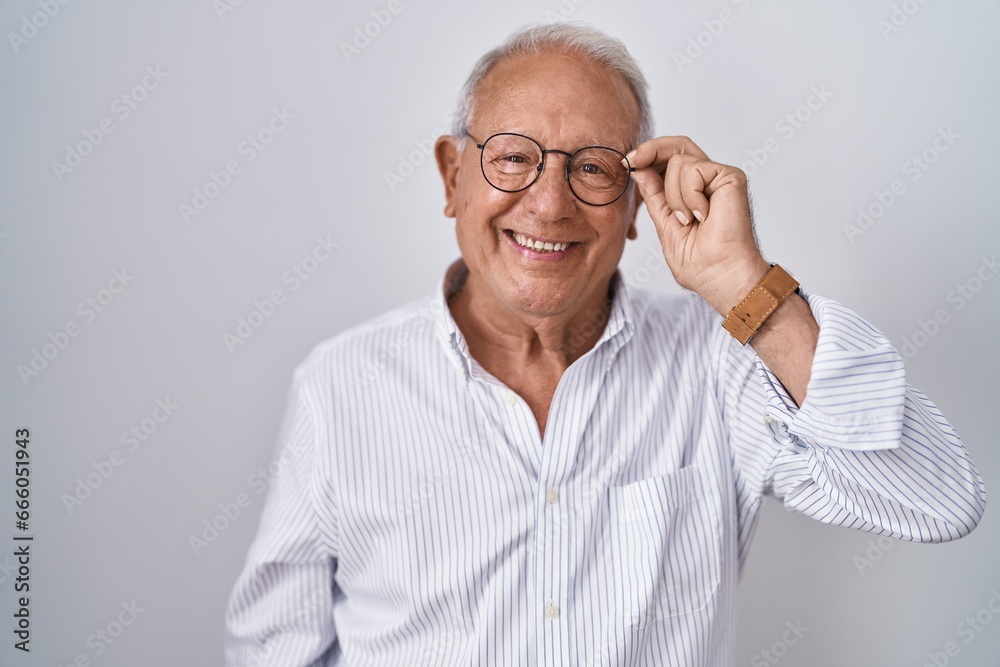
(693, 182)
(650, 185)
(658, 151)
(673, 190)
(717, 176)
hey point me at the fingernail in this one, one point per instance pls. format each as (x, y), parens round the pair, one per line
(683, 218)
(698, 216)
(630, 155)
(625, 163)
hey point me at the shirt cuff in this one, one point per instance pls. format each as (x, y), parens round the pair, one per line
(856, 391)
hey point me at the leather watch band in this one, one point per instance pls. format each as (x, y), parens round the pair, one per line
(745, 319)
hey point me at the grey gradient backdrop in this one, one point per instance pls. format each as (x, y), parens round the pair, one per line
(324, 175)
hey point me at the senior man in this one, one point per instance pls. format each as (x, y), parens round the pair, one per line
(540, 466)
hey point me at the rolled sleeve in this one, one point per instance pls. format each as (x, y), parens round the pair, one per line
(857, 386)
(865, 449)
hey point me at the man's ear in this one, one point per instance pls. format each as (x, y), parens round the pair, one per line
(448, 158)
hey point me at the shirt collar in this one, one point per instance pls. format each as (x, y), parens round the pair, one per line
(449, 287)
(618, 330)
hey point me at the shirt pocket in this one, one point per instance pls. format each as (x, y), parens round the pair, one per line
(665, 547)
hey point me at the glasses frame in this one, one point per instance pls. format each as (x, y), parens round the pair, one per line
(541, 165)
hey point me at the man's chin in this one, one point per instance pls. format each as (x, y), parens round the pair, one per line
(538, 298)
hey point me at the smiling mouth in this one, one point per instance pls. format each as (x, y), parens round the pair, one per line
(537, 245)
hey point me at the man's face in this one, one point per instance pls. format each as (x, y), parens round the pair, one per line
(563, 101)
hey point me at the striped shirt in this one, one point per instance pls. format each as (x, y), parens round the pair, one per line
(416, 516)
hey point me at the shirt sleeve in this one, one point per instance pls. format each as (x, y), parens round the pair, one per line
(281, 609)
(865, 450)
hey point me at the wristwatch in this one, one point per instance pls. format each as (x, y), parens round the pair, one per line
(745, 319)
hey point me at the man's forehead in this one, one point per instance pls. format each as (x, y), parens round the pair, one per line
(554, 67)
(518, 92)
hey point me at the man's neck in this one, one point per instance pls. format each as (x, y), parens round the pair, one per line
(499, 335)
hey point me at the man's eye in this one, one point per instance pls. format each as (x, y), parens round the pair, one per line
(591, 169)
(516, 159)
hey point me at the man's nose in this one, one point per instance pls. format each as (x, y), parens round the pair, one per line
(550, 197)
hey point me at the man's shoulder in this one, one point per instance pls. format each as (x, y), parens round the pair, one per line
(358, 349)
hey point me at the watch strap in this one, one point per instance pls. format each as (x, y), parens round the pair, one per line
(745, 319)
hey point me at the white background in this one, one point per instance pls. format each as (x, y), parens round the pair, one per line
(324, 176)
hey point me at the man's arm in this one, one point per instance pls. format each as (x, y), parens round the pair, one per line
(701, 210)
(281, 609)
(865, 450)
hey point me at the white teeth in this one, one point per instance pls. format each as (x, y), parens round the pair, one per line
(539, 246)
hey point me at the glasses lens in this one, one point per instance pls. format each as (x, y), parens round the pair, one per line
(597, 175)
(510, 161)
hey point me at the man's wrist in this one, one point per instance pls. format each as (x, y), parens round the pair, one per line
(735, 286)
(746, 318)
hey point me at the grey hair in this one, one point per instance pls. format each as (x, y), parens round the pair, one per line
(532, 39)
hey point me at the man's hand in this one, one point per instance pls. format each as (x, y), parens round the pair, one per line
(701, 210)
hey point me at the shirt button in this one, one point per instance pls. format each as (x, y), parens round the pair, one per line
(552, 496)
(552, 611)
(510, 398)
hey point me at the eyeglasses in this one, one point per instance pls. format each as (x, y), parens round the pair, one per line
(513, 162)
